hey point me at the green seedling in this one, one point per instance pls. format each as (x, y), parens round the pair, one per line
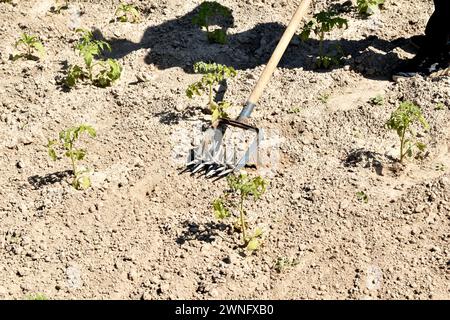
(208, 11)
(241, 188)
(283, 263)
(31, 47)
(59, 6)
(439, 106)
(324, 98)
(362, 196)
(101, 73)
(402, 121)
(324, 22)
(295, 110)
(377, 101)
(37, 296)
(440, 167)
(369, 7)
(66, 141)
(127, 13)
(213, 75)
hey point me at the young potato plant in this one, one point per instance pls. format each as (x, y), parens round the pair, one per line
(208, 11)
(377, 100)
(127, 13)
(324, 22)
(369, 7)
(66, 141)
(401, 121)
(213, 75)
(30, 46)
(101, 73)
(241, 189)
(362, 196)
(283, 263)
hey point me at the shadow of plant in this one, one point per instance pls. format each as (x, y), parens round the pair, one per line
(204, 233)
(367, 159)
(41, 181)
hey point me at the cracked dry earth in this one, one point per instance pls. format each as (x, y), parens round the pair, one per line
(143, 231)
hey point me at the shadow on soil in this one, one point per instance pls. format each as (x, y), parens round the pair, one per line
(205, 233)
(369, 159)
(41, 181)
(178, 43)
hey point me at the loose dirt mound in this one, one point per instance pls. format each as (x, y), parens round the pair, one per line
(145, 231)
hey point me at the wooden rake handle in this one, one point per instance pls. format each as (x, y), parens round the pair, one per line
(274, 60)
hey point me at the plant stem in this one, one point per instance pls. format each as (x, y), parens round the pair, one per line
(72, 159)
(322, 36)
(241, 209)
(210, 96)
(402, 143)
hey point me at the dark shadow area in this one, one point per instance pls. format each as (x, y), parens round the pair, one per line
(365, 158)
(61, 78)
(41, 181)
(179, 43)
(207, 234)
(173, 117)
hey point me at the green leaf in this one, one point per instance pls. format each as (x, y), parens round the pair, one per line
(39, 47)
(253, 244)
(82, 182)
(209, 10)
(421, 146)
(127, 13)
(218, 36)
(52, 154)
(75, 74)
(258, 233)
(220, 211)
(111, 71)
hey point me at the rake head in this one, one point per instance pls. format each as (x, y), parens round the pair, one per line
(219, 155)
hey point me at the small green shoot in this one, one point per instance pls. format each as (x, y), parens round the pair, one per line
(295, 110)
(283, 263)
(241, 188)
(324, 22)
(101, 73)
(324, 98)
(440, 167)
(439, 106)
(208, 12)
(362, 196)
(401, 121)
(127, 13)
(67, 139)
(369, 7)
(377, 101)
(213, 75)
(37, 296)
(31, 47)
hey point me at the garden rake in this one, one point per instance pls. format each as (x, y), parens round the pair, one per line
(215, 158)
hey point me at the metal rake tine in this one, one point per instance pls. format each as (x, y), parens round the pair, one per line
(198, 168)
(193, 162)
(226, 172)
(212, 173)
(186, 169)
